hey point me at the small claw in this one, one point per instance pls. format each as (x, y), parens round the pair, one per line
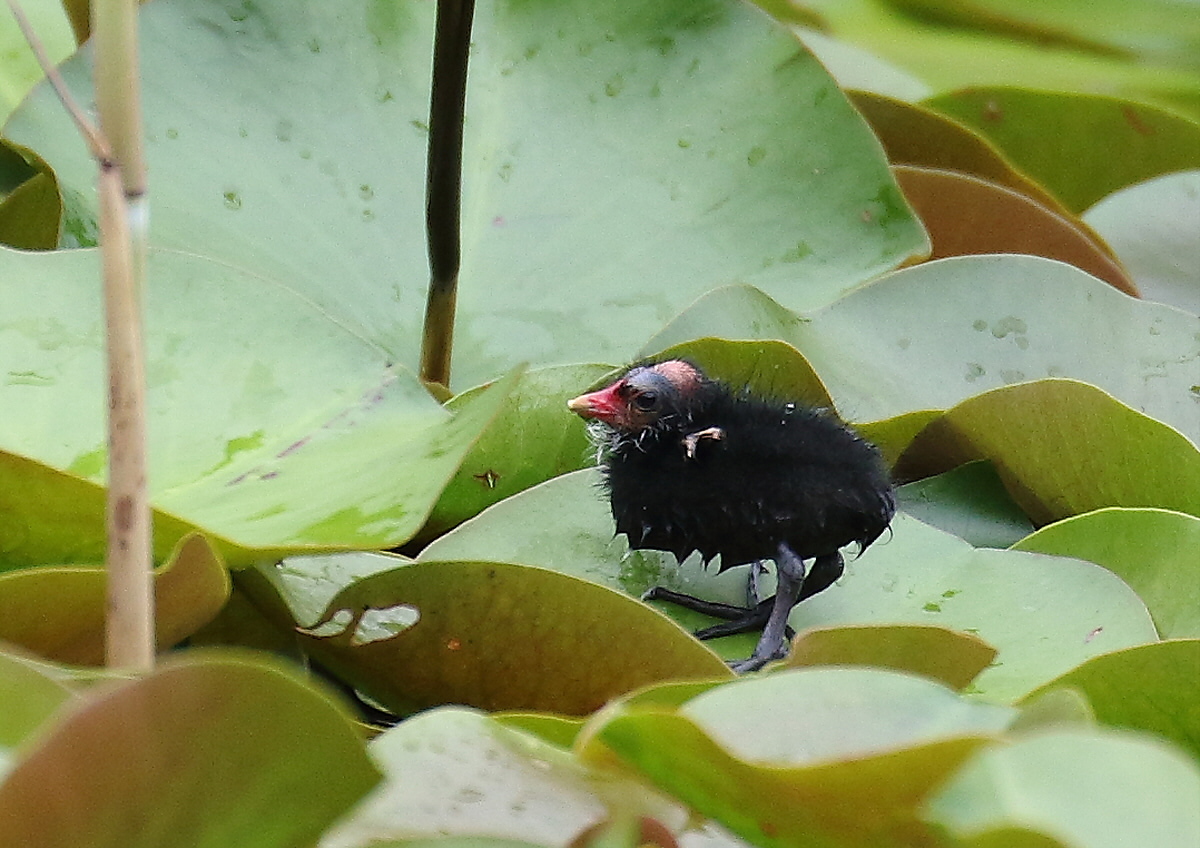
(753, 663)
(692, 439)
(757, 570)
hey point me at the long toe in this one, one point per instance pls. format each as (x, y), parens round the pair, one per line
(751, 618)
(728, 612)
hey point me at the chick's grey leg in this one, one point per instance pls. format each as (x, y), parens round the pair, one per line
(771, 615)
(772, 645)
(737, 619)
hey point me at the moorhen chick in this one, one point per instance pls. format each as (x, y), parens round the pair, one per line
(692, 465)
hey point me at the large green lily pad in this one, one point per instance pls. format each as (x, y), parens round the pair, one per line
(969, 501)
(1149, 226)
(956, 45)
(565, 525)
(881, 710)
(1079, 787)
(1081, 148)
(1148, 687)
(453, 770)
(51, 516)
(28, 697)
(246, 442)
(493, 635)
(1045, 615)
(1163, 32)
(1062, 448)
(768, 368)
(811, 757)
(944, 655)
(31, 210)
(20, 69)
(928, 337)
(853, 67)
(58, 611)
(288, 268)
(532, 439)
(607, 144)
(1153, 550)
(204, 752)
(913, 134)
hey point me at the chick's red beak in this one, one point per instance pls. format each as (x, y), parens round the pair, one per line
(605, 405)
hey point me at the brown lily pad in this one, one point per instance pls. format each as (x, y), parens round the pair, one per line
(500, 636)
(57, 612)
(966, 215)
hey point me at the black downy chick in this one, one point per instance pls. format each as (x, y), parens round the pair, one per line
(690, 465)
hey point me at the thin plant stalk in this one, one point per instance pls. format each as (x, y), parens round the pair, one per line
(129, 633)
(117, 148)
(97, 145)
(452, 42)
(129, 624)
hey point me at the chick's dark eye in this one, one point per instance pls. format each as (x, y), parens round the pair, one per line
(646, 401)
